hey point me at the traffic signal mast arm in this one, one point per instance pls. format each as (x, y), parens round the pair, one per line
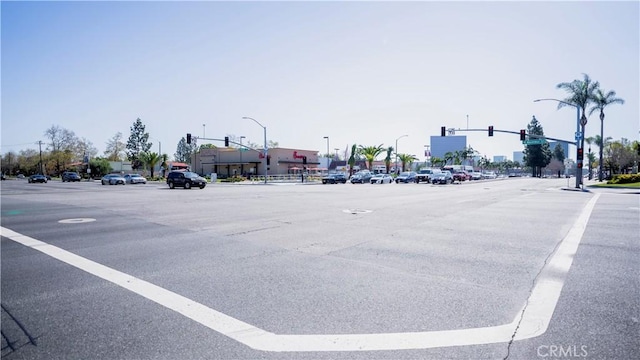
(533, 136)
(193, 137)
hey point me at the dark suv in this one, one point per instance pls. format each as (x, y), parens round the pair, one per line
(70, 176)
(185, 179)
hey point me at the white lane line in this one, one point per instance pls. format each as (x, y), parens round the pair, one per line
(533, 322)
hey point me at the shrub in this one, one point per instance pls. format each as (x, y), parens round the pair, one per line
(624, 179)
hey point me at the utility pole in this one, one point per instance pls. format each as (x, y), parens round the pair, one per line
(40, 146)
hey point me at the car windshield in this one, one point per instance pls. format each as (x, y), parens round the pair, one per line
(405, 174)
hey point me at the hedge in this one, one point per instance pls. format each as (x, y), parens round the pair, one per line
(624, 179)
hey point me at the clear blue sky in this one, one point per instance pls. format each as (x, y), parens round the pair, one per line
(358, 72)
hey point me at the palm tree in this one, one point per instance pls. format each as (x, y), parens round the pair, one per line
(448, 156)
(149, 159)
(437, 162)
(590, 140)
(352, 159)
(370, 153)
(406, 159)
(600, 101)
(387, 160)
(581, 94)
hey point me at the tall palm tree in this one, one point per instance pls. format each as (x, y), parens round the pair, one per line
(352, 158)
(370, 153)
(406, 159)
(581, 94)
(600, 101)
(590, 140)
(387, 160)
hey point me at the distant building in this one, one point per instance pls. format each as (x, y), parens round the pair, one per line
(563, 145)
(499, 159)
(518, 156)
(441, 145)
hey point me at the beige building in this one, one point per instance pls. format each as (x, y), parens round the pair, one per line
(227, 162)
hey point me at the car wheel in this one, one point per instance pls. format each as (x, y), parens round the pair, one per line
(202, 186)
(171, 185)
(187, 185)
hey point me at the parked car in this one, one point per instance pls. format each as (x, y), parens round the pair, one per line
(185, 179)
(381, 179)
(406, 177)
(113, 179)
(70, 176)
(135, 179)
(425, 175)
(460, 175)
(37, 178)
(489, 175)
(361, 177)
(334, 179)
(476, 175)
(443, 177)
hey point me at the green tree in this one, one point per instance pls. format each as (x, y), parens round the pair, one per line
(448, 156)
(99, 166)
(406, 159)
(600, 101)
(138, 143)
(61, 146)
(183, 151)
(536, 156)
(370, 153)
(115, 150)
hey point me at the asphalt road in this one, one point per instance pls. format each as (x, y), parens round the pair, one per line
(515, 268)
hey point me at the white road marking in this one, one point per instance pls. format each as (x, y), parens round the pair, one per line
(533, 321)
(76, 221)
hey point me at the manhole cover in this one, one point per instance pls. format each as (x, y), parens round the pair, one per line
(356, 211)
(76, 221)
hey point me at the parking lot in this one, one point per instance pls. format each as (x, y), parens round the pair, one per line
(317, 271)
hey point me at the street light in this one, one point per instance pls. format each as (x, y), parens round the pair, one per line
(265, 146)
(203, 136)
(396, 163)
(328, 161)
(578, 145)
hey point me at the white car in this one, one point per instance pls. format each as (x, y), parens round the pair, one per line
(489, 175)
(135, 179)
(382, 179)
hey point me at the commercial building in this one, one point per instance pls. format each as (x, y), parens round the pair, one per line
(227, 162)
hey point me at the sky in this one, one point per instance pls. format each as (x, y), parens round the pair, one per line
(361, 72)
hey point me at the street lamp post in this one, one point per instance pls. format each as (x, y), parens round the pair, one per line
(328, 161)
(266, 171)
(578, 144)
(396, 162)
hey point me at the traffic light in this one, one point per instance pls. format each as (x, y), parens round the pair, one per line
(523, 135)
(188, 138)
(442, 131)
(304, 160)
(580, 154)
(226, 141)
(490, 130)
